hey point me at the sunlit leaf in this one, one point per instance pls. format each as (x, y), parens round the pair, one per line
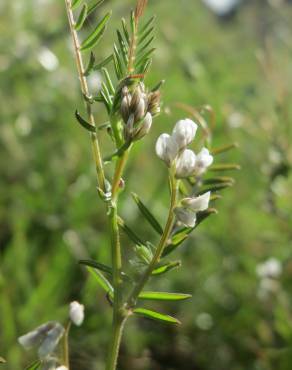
(96, 34)
(163, 296)
(84, 123)
(164, 268)
(34, 366)
(75, 4)
(94, 6)
(147, 214)
(81, 18)
(101, 280)
(153, 315)
(224, 167)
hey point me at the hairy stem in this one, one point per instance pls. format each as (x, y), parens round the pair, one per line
(85, 92)
(166, 233)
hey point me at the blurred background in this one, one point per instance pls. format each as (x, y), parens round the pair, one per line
(235, 56)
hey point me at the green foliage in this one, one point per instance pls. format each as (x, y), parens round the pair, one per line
(95, 36)
(153, 315)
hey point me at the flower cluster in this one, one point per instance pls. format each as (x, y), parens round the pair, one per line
(172, 149)
(137, 110)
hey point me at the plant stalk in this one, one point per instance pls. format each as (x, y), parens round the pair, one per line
(66, 346)
(174, 184)
(85, 92)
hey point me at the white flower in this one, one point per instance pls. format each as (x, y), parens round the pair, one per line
(185, 164)
(204, 160)
(166, 148)
(184, 132)
(271, 268)
(76, 313)
(46, 336)
(197, 204)
(62, 368)
(186, 216)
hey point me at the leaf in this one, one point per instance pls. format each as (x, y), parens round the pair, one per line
(163, 268)
(224, 148)
(101, 280)
(34, 366)
(131, 234)
(163, 296)
(75, 4)
(97, 265)
(153, 315)
(81, 18)
(96, 34)
(147, 214)
(125, 31)
(103, 63)
(108, 81)
(84, 123)
(123, 48)
(225, 167)
(216, 187)
(144, 57)
(94, 6)
(90, 65)
(219, 180)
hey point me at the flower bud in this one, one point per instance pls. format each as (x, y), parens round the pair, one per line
(125, 107)
(184, 132)
(186, 216)
(154, 103)
(76, 313)
(197, 204)
(145, 127)
(185, 164)
(204, 160)
(139, 110)
(166, 149)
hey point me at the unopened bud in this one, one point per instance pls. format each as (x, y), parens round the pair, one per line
(125, 107)
(166, 149)
(139, 110)
(204, 160)
(154, 103)
(185, 164)
(76, 313)
(145, 127)
(184, 132)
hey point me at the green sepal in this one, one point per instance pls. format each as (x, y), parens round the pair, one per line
(163, 296)
(84, 123)
(148, 214)
(81, 18)
(96, 34)
(153, 315)
(165, 267)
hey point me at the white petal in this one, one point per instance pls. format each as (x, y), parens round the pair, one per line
(204, 160)
(186, 216)
(35, 337)
(166, 148)
(184, 132)
(51, 341)
(185, 164)
(197, 204)
(76, 313)
(62, 368)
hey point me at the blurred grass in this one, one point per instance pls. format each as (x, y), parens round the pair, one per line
(49, 220)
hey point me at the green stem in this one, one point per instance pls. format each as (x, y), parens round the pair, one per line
(85, 92)
(117, 331)
(66, 346)
(166, 233)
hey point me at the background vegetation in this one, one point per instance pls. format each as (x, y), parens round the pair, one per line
(49, 219)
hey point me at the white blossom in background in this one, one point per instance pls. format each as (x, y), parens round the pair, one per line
(222, 7)
(271, 268)
(62, 368)
(46, 337)
(76, 313)
(48, 59)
